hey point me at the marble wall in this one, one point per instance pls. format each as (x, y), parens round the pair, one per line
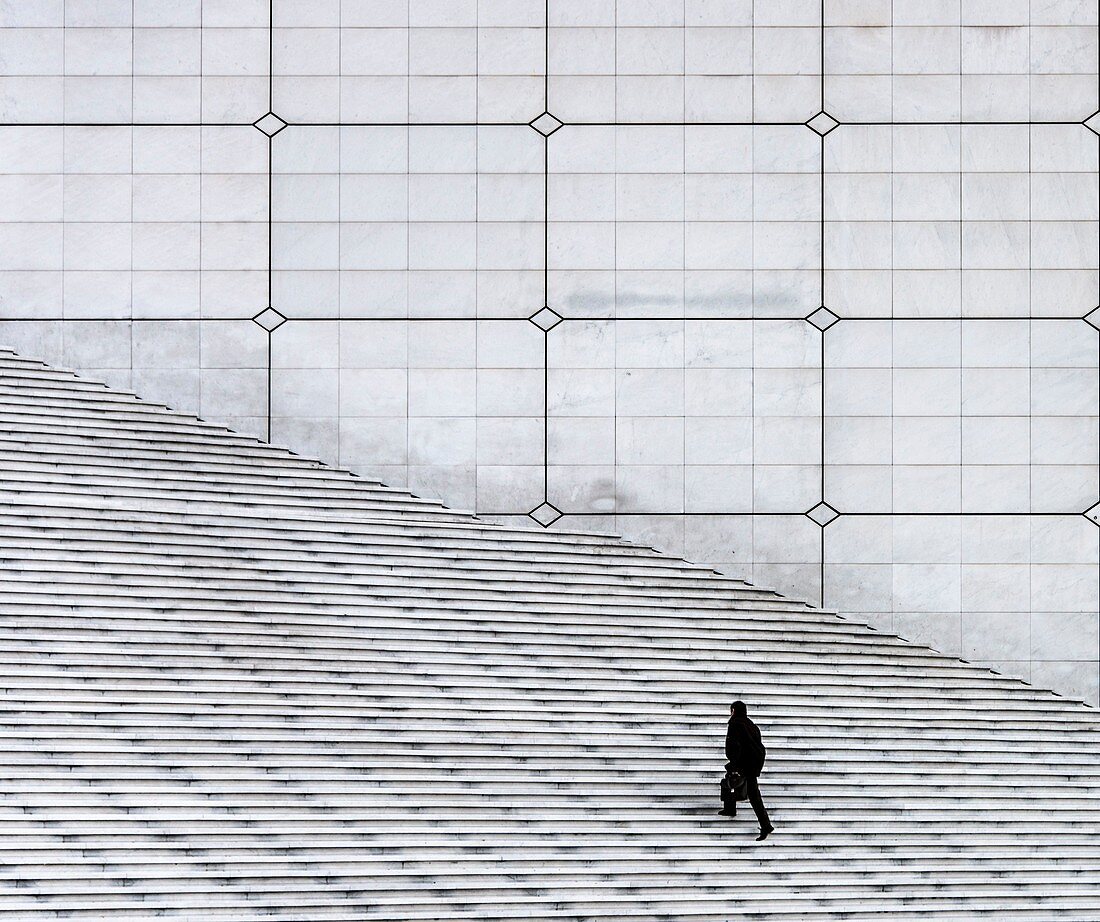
(806, 291)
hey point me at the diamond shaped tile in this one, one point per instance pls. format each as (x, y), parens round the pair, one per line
(270, 319)
(822, 318)
(546, 319)
(1093, 514)
(269, 124)
(822, 123)
(1092, 318)
(545, 124)
(1092, 123)
(822, 514)
(546, 514)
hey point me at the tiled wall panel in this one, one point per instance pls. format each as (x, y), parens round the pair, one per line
(806, 292)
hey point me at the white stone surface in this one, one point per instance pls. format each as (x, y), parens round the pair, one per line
(257, 686)
(681, 219)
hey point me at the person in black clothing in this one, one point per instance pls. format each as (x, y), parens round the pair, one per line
(745, 755)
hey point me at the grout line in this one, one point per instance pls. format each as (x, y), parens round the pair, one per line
(271, 56)
(962, 301)
(821, 105)
(821, 555)
(577, 318)
(821, 220)
(408, 244)
(821, 303)
(130, 124)
(268, 439)
(513, 124)
(546, 221)
(546, 416)
(270, 188)
(1097, 143)
(786, 513)
(546, 259)
(270, 210)
(131, 266)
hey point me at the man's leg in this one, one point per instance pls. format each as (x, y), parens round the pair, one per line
(753, 785)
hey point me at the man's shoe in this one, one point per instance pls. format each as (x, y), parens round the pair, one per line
(765, 831)
(727, 812)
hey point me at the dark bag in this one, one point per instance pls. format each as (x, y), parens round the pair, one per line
(734, 787)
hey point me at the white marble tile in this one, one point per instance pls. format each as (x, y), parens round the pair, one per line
(1075, 679)
(96, 344)
(157, 345)
(996, 636)
(233, 392)
(178, 388)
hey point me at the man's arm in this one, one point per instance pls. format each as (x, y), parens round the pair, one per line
(733, 744)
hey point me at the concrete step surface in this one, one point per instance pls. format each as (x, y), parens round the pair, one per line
(240, 684)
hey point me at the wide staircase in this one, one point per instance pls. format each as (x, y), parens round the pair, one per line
(240, 685)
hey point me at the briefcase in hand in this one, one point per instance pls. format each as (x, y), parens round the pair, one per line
(734, 787)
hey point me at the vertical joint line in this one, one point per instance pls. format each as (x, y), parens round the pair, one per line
(546, 416)
(269, 334)
(821, 224)
(271, 56)
(270, 210)
(546, 299)
(821, 547)
(821, 107)
(821, 581)
(823, 416)
(546, 222)
(821, 292)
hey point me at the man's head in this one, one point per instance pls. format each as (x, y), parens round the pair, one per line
(738, 709)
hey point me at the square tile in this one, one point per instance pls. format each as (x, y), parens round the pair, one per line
(975, 220)
(449, 228)
(718, 438)
(668, 221)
